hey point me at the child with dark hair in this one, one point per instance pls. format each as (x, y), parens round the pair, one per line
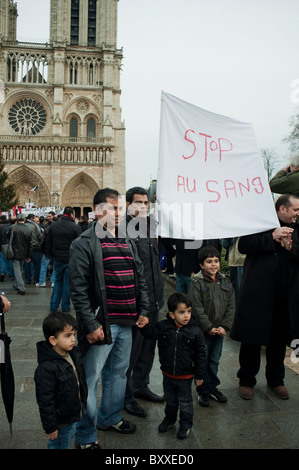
(60, 380)
(182, 356)
(213, 306)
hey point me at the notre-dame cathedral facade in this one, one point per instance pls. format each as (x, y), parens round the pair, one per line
(60, 115)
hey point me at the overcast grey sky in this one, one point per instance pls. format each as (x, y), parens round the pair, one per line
(234, 58)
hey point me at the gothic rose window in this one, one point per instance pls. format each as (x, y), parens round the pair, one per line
(27, 117)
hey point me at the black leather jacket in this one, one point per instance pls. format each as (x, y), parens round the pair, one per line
(57, 391)
(148, 252)
(182, 351)
(87, 286)
(21, 241)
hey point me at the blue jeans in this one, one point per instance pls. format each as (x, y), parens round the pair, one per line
(6, 265)
(64, 438)
(44, 269)
(214, 350)
(110, 362)
(178, 396)
(235, 274)
(182, 283)
(32, 269)
(61, 289)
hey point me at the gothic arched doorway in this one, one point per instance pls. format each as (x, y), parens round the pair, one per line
(24, 179)
(79, 193)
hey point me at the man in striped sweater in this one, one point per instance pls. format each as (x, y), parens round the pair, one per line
(110, 296)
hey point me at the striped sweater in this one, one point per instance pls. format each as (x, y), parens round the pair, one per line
(120, 281)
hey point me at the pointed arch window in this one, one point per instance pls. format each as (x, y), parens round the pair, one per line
(92, 18)
(91, 129)
(75, 22)
(73, 129)
(73, 69)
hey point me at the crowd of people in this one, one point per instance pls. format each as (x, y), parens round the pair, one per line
(34, 254)
(111, 272)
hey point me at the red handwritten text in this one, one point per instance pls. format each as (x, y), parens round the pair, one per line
(234, 189)
(219, 145)
(228, 188)
(185, 184)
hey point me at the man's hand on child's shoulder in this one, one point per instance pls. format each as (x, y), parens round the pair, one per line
(198, 382)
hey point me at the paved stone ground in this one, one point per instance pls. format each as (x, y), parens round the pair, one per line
(265, 422)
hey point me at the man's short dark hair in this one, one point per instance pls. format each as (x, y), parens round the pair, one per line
(51, 212)
(30, 216)
(102, 194)
(55, 322)
(208, 252)
(68, 210)
(136, 190)
(284, 200)
(178, 298)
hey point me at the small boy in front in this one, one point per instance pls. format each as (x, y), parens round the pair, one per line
(59, 380)
(213, 306)
(182, 355)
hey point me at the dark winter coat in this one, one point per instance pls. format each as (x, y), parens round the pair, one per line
(148, 252)
(186, 261)
(213, 303)
(87, 286)
(182, 351)
(59, 238)
(36, 234)
(21, 241)
(84, 225)
(270, 274)
(57, 390)
(43, 247)
(5, 225)
(285, 182)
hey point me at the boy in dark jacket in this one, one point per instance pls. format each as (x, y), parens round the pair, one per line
(182, 356)
(60, 380)
(213, 306)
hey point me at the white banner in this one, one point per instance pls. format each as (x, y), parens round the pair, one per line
(211, 180)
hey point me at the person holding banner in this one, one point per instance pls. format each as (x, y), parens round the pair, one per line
(287, 179)
(267, 307)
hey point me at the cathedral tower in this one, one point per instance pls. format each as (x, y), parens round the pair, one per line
(60, 119)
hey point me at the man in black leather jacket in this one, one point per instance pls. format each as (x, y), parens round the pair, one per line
(109, 294)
